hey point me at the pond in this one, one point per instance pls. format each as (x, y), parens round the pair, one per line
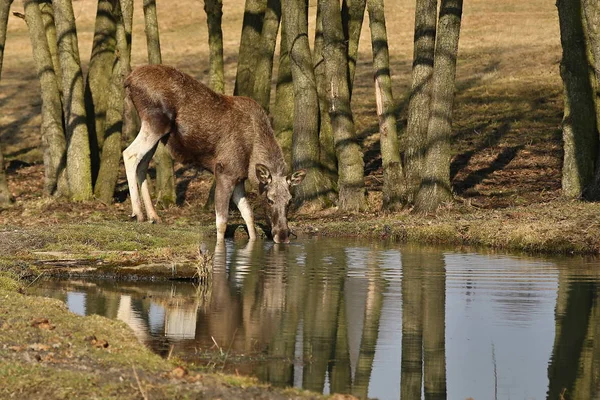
(373, 319)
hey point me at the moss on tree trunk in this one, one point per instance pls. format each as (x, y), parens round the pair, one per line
(53, 135)
(435, 186)
(252, 25)
(349, 155)
(393, 178)
(264, 59)
(78, 145)
(283, 113)
(216, 74)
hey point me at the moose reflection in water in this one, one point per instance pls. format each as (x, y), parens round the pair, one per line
(372, 320)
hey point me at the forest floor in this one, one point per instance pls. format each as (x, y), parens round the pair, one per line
(506, 175)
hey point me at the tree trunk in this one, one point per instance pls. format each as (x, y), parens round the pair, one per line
(264, 59)
(99, 74)
(216, 74)
(350, 162)
(78, 145)
(165, 177)
(131, 121)
(326, 140)
(393, 178)
(579, 126)
(53, 135)
(5, 197)
(252, 26)
(283, 114)
(592, 14)
(420, 95)
(434, 331)
(353, 13)
(111, 149)
(305, 141)
(50, 29)
(435, 186)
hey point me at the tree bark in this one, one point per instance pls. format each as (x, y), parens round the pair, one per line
(50, 29)
(435, 188)
(592, 15)
(214, 15)
(348, 150)
(393, 178)
(111, 149)
(78, 145)
(53, 135)
(264, 59)
(283, 114)
(252, 26)
(327, 157)
(305, 141)
(98, 80)
(5, 197)
(580, 137)
(165, 177)
(420, 95)
(353, 14)
(130, 118)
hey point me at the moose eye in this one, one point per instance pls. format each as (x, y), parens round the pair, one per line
(271, 202)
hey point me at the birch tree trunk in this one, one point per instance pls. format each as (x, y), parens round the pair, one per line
(420, 95)
(78, 146)
(214, 15)
(350, 159)
(580, 136)
(53, 135)
(5, 197)
(254, 12)
(435, 186)
(264, 60)
(111, 149)
(393, 178)
(99, 76)
(165, 177)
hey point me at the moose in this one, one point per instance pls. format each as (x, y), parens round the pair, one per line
(231, 136)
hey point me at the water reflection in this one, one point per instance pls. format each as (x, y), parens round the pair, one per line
(372, 319)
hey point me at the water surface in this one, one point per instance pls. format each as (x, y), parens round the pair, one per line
(372, 319)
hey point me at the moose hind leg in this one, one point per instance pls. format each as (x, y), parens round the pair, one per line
(142, 176)
(223, 190)
(241, 201)
(133, 156)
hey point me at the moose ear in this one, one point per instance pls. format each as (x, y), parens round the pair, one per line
(296, 178)
(263, 174)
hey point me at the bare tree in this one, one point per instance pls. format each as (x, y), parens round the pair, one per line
(283, 113)
(252, 25)
(165, 177)
(420, 95)
(305, 146)
(53, 135)
(78, 146)
(99, 75)
(580, 136)
(50, 29)
(130, 117)
(4, 11)
(350, 162)
(435, 186)
(111, 149)
(216, 74)
(393, 178)
(353, 13)
(592, 15)
(264, 59)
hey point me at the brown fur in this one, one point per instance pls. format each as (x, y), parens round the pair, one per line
(228, 135)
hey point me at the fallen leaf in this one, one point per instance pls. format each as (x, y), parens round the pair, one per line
(38, 347)
(42, 323)
(178, 372)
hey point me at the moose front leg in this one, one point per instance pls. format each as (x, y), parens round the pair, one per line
(241, 201)
(223, 190)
